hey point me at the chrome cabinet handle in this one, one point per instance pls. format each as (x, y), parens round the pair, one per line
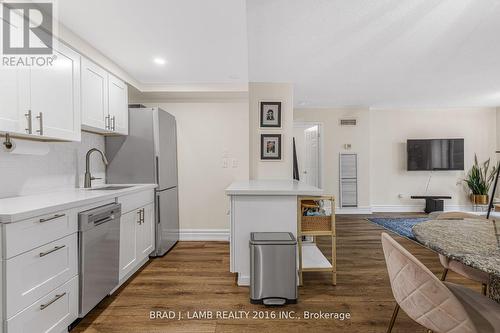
(29, 129)
(142, 215)
(107, 122)
(40, 119)
(114, 123)
(44, 306)
(52, 218)
(43, 254)
(139, 213)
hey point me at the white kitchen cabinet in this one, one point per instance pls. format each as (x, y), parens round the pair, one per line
(145, 232)
(128, 242)
(55, 96)
(43, 102)
(14, 99)
(52, 313)
(104, 101)
(137, 239)
(94, 96)
(35, 273)
(118, 105)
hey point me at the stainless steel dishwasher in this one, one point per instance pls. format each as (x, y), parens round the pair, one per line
(99, 249)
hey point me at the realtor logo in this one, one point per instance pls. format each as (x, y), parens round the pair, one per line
(27, 28)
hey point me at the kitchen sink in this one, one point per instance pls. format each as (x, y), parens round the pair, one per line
(110, 188)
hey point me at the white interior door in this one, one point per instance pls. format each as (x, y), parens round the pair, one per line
(311, 162)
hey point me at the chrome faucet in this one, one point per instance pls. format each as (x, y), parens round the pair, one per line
(88, 176)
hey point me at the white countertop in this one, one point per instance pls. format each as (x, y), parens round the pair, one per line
(272, 187)
(22, 207)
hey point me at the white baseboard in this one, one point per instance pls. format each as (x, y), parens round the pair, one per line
(415, 208)
(243, 280)
(353, 210)
(204, 235)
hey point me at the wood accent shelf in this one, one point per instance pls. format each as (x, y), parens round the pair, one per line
(311, 259)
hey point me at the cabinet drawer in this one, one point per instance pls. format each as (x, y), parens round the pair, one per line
(33, 274)
(51, 314)
(136, 200)
(22, 236)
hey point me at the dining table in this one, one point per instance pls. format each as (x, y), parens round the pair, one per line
(473, 242)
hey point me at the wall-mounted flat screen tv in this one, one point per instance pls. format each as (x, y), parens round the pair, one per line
(435, 154)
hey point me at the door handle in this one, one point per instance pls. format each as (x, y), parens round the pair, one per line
(139, 213)
(43, 254)
(114, 123)
(40, 119)
(44, 306)
(51, 218)
(158, 208)
(142, 215)
(29, 129)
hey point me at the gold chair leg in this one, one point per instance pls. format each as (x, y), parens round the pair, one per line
(443, 276)
(484, 288)
(393, 318)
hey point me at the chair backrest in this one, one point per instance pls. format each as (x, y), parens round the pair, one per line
(421, 294)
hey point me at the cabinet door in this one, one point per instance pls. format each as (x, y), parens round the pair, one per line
(118, 104)
(55, 93)
(94, 96)
(14, 99)
(129, 224)
(146, 233)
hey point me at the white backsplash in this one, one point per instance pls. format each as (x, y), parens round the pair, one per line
(62, 167)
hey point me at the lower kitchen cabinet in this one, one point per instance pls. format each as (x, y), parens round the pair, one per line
(50, 314)
(137, 236)
(146, 242)
(128, 243)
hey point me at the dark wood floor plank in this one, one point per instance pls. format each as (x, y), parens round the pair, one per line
(195, 276)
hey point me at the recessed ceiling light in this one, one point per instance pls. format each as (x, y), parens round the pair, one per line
(159, 61)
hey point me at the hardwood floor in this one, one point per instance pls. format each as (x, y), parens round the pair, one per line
(195, 276)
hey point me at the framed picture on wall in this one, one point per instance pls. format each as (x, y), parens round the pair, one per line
(270, 114)
(270, 147)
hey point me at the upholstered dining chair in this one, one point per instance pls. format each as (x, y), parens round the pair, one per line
(441, 307)
(456, 266)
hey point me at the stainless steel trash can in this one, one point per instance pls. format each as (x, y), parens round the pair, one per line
(273, 268)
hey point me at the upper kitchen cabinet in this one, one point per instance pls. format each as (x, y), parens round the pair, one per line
(14, 99)
(104, 101)
(55, 97)
(118, 104)
(94, 96)
(43, 102)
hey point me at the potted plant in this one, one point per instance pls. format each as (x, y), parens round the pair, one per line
(479, 180)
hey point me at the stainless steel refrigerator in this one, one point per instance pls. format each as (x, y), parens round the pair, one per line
(148, 154)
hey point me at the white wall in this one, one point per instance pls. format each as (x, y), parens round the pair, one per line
(334, 138)
(271, 92)
(62, 167)
(389, 131)
(209, 135)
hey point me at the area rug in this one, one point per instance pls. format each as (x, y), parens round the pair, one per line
(400, 225)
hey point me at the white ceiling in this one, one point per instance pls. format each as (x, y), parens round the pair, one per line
(373, 53)
(383, 53)
(202, 41)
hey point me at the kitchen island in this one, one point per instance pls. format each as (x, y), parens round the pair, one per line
(261, 206)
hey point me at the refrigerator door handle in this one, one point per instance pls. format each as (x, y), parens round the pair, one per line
(157, 162)
(158, 208)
